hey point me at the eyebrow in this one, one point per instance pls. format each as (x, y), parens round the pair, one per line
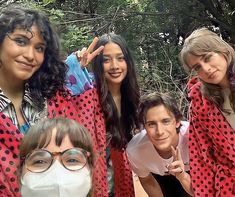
(118, 54)
(167, 118)
(195, 65)
(27, 37)
(24, 34)
(150, 121)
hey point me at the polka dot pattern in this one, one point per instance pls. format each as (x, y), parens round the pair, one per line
(90, 115)
(85, 109)
(10, 139)
(123, 177)
(212, 147)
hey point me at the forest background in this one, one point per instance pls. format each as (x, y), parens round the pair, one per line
(154, 29)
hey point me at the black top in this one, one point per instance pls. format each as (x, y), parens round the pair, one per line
(170, 186)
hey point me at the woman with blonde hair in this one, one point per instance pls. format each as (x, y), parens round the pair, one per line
(211, 113)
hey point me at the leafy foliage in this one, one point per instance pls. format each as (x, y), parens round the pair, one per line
(154, 30)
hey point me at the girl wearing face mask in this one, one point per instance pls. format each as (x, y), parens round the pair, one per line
(32, 78)
(57, 160)
(211, 113)
(116, 83)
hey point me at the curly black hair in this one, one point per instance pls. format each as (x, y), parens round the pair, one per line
(50, 77)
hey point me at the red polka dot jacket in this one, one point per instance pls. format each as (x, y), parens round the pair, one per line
(85, 109)
(212, 147)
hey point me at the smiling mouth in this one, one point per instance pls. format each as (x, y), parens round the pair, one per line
(212, 75)
(162, 139)
(115, 74)
(25, 64)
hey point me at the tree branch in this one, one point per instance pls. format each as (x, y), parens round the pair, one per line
(231, 3)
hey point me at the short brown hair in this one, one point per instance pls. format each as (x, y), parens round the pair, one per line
(155, 99)
(39, 136)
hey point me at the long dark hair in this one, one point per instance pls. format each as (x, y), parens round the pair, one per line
(120, 128)
(51, 75)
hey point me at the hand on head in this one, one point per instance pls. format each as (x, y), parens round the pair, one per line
(85, 56)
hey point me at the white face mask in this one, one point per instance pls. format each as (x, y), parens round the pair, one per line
(57, 181)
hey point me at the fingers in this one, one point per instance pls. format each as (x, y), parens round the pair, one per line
(174, 153)
(85, 56)
(177, 166)
(92, 45)
(96, 52)
(84, 59)
(80, 53)
(173, 171)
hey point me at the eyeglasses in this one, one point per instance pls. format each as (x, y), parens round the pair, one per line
(41, 160)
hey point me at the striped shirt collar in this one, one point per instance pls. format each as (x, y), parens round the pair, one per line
(28, 97)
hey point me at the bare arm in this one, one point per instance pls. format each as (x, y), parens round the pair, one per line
(151, 186)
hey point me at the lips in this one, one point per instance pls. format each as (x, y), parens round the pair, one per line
(161, 139)
(115, 74)
(212, 75)
(26, 65)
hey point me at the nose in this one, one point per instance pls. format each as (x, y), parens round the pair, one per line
(159, 130)
(29, 53)
(114, 63)
(206, 67)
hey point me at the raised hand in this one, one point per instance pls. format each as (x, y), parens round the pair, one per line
(176, 168)
(86, 55)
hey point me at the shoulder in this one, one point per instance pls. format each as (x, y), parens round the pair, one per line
(88, 94)
(184, 133)
(137, 142)
(72, 61)
(184, 141)
(199, 104)
(194, 86)
(184, 127)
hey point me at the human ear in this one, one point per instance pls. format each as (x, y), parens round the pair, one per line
(178, 124)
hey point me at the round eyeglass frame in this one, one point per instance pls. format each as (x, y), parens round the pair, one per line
(85, 153)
